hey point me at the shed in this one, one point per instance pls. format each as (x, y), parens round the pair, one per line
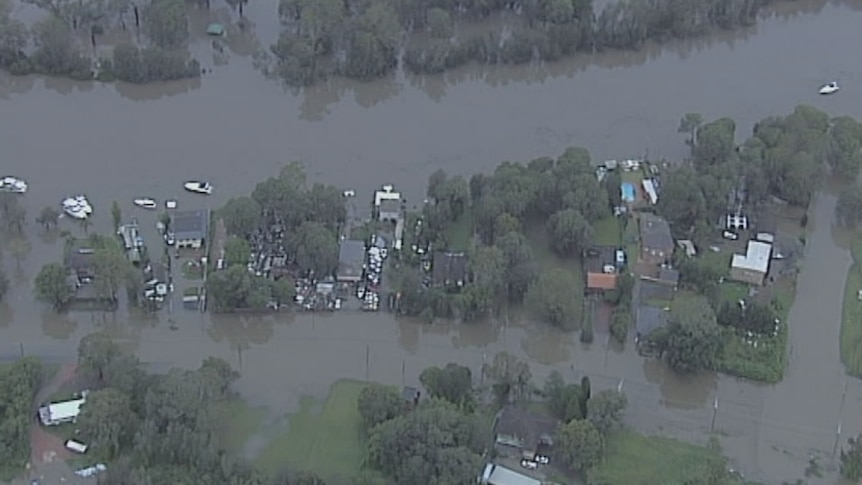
(351, 258)
(61, 412)
(190, 228)
(215, 29)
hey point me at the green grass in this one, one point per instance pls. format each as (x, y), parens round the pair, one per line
(460, 233)
(192, 270)
(631, 240)
(243, 422)
(608, 232)
(718, 261)
(851, 314)
(732, 292)
(635, 459)
(324, 437)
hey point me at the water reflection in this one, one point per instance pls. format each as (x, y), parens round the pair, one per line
(547, 345)
(153, 91)
(10, 84)
(677, 390)
(7, 315)
(240, 332)
(58, 325)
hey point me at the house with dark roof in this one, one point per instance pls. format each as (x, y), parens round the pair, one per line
(351, 259)
(190, 228)
(449, 270)
(519, 433)
(80, 262)
(656, 240)
(600, 268)
(648, 320)
(663, 276)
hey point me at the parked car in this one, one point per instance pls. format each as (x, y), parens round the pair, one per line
(730, 235)
(529, 465)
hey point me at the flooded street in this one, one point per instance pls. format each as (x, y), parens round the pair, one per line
(235, 128)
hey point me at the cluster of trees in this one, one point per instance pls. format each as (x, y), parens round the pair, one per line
(110, 266)
(310, 218)
(58, 53)
(787, 157)
(561, 197)
(851, 460)
(363, 39)
(749, 316)
(19, 384)
(13, 219)
(848, 209)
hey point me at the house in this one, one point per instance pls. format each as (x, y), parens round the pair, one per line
(61, 412)
(648, 320)
(752, 266)
(688, 246)
(521, 434)
(190, 228)
(449, 269)
(656, 241)
(668, 276)
(388, 207)
(498, 475)
(351, 259)
(600, 268)
(411, 396)
(80, 263)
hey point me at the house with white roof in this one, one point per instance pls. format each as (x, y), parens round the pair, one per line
(752, 266)
(62, 412)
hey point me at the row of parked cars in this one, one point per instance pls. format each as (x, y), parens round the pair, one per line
(369, 290)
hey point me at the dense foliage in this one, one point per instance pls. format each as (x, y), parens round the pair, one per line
(19, 383)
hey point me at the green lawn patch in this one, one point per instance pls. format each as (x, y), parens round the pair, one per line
(851, 315)
(631, 240)
(732, 292)
(548, 259)
(460, 233)
(243, 422)
(608, 232)
(633, 177)
(719, 261)
(192, 270)
(635, 459)
(192, 291)
(323, 437)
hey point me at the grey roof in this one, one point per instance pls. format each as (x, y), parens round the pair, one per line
(598, 257)
(669, 275)
(351, 256)
(655, 232)
(650, 319)
(188, 225)
(449, 269)
(390, 205)
(80, 259)
(527, 427)
(410, 394)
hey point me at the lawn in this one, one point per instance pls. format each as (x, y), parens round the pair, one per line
(719, 261)
(460, 233)
(634, 459)
(732, 292)
(608, 232)
(548, 260)
(192, 269)
(851, 316)
(631, 240)
(243, 423)
(324, 437)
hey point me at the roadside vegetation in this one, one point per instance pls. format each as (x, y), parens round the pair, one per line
(851, 317)
(19, 383)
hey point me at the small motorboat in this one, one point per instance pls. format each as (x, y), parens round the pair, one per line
(13, 184)
(146, 203)
(198, 187)
(170, 204)
(829, 88)
(77, 207)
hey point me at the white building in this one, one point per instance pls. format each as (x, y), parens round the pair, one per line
(387, 208)
(61, 412)
(498, 475)
(752, 266)
(649, 188)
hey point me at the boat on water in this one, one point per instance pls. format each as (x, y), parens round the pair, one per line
(77, 207)
(198, 187)
(171, 204)
(829, 88)
(13, 184)
(146, 203)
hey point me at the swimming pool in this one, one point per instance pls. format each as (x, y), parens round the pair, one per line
(628, 191)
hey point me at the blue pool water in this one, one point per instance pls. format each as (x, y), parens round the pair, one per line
(628, 191)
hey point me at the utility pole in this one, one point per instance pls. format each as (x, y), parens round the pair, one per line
(620, 385)
(482, 371)
(837, 439)
(403, 372)
(714, 415)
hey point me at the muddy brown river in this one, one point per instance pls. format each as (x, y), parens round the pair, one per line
(235, 128)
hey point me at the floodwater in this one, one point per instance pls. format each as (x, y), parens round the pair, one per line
(234, 128)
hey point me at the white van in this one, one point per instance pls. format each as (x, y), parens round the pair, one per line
(76, 446)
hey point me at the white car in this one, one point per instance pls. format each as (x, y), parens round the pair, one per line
(198, 187)
(349, 193)
(829, 88)
(529, 465)
(145, 203)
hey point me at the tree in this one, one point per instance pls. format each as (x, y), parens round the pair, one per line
(96, 353)
(848, 209)
(20, 248)
(236, 287)
(20, 381)
(14, 214)
(845, 153)
(241, 216)
(373, 43)
(551, 299)
(564, 400)
(689, 124)
(851, 459)
(521, 266)
(691, 341)
(166, 23)
(715, 142)
(107, 420)
(111, 268)
(48, 217)
(378, 403)
(116, 214)
(55, 52)
(454, 383)
(570, 232)
(605, 409)
(580, 444)
(52, 286)
(315, 248)
(237, 250)
(283, 290)
(511, 376)
(620, 322)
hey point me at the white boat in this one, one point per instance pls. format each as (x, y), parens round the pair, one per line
(146, 203)
(12, 184)
(829, 88)
(198, 187)
(170, 204)
(77, 207)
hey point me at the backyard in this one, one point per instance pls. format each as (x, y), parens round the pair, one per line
(460, 233)
(851, 317)
(607, 232)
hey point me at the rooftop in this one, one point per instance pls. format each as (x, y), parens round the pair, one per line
(650, 319)
(351, 257)
(386, 193)
(449, 269)
(390, 205)
(527, 428)
(601, 269)
(79, 258)
(190, 224)
(756, 257)
(668, 275)
(655, 232)
(498, 475)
